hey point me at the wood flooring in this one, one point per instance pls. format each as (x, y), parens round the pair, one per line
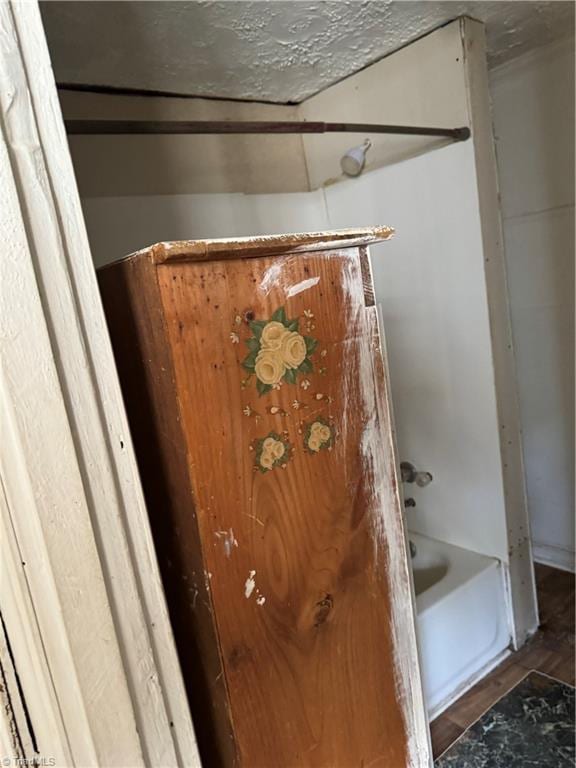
(550, 651)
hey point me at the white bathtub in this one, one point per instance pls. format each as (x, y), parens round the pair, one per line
(462, 623)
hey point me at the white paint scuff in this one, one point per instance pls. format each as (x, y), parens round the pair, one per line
(275, 277)
(228, 539)
(304, 285)
(250, 584)
(271, 276)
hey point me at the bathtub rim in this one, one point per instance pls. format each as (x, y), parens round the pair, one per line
(463, 566)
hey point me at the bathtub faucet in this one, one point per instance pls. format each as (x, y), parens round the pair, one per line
(410, 474)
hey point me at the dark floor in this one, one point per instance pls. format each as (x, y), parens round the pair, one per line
(532, 725)
(550, 651)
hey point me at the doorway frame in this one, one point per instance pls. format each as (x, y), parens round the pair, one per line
(80, 579)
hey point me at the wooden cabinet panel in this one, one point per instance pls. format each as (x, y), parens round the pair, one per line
(256, 394)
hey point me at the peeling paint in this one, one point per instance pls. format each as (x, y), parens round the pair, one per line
(250, 584)
(207, 577)
(228, 539)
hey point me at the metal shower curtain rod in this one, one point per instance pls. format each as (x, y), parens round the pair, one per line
(151, 127)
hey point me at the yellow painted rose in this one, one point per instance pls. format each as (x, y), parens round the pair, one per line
(293, 348)
(272, 335)
(269, 366)
(268, 444)
(316, 427)
(277, 450)
(266, 460)
(324, 433)
(314, 443)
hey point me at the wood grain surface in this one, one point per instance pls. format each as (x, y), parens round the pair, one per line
(297, 579)
(141, 348)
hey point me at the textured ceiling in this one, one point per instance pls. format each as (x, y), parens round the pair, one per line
(271, 50)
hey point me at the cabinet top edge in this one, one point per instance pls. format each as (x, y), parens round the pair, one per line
(264, 245)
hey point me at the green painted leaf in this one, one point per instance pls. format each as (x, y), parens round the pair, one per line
(290, 376)
(250, 360)
(292, 325)
(248, 366)
(280, 315)
(253, 344)
(311, 344)
(257, 326)
(305, 366)
(262, 388)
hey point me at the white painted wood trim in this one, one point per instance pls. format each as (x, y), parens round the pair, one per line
(73, 492)
(14, 732)
(28, 651)
(46, 500)
(520, 572)
(556, 557)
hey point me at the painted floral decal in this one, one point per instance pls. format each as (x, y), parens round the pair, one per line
(318, 436)
(278, 351)
(272, 451)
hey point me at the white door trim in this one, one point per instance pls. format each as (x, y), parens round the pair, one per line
(519, 571)
(73, 498)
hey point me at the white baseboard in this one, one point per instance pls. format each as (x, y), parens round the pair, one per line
(557, 557)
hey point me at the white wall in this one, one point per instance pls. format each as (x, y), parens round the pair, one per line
(181, 164)
(533, 110)
(118, 226)
(430, 281)
(421, 84)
